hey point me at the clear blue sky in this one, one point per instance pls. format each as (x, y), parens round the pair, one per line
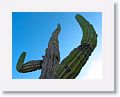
(31, 32)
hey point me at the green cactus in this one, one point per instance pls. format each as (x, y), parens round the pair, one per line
(20, 61)
(28, 66)
(71, 66)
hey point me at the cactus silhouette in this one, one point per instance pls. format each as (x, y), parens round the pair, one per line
(70, 67)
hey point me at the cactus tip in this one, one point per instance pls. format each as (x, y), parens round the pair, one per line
(58, 25)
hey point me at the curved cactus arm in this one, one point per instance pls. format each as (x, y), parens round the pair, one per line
(84, 24)
(28, 66)
(88, 30)
(71, 66)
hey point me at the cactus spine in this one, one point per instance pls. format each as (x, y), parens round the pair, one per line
(71, 66)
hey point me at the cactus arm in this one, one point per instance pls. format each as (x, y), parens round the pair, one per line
(84, 24)
(31, 66)
(28, 66)
(71, 66)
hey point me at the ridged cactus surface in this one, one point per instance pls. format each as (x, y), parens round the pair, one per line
(28, 66)
(70, 66)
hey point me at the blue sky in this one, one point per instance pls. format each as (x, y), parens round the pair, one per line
(31, 32)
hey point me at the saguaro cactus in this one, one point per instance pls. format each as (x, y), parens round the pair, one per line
(71, 66)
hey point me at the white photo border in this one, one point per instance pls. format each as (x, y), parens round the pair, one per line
(9, 84)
